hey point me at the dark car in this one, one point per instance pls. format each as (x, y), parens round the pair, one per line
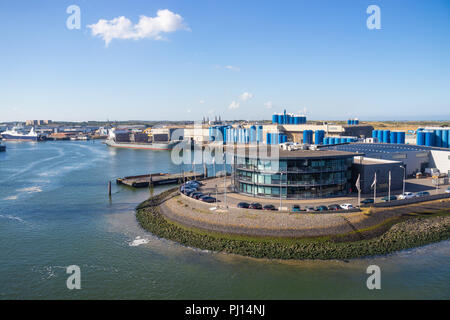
(422, 194)
(269, 207)
(188, 192)
(367, 201)
(387, 198)
(296, 208)
(256, 206)
(243, 205)
(193, 184)
(334, 207)
(208, 199)
(197, 195)
(321, 208)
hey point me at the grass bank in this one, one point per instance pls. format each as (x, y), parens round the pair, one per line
(415, 231)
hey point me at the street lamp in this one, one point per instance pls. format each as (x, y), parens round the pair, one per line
(404, 177)
(281, 179)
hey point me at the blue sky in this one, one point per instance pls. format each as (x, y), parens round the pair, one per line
(313, 56)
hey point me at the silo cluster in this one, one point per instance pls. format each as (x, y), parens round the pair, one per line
(254, 134)
(434, 137)
(388, 136)
(275, 138)
(288, 118)
(338, 140)
(352, 122)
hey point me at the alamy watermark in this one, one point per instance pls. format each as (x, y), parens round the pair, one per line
(74, 280)
(374, 280)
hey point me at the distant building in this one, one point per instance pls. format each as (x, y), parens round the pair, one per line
(37, 122)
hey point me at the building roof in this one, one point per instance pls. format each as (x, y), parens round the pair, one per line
(265, 151)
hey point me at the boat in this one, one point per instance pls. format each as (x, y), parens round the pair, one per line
(14, 135)
(140, 145)
(122, 139)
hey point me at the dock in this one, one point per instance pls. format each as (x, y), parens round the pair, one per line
(155, 179)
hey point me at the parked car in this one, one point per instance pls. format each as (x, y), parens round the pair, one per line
(334, 207)
(367, 201)
(187, 191)
(309, 208)
(243, 205)
(192, 183)
(208, 199)
(406, 195)
(296, 208)
(256, 206)
(269, 207)
(392, 198)
(422, 194)
(321, 208)
(447, 190)
(197, 195)
(347, 206)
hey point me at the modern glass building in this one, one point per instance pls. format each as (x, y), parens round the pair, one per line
(300, 174)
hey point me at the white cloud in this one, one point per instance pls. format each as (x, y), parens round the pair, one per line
(246, 96)
(201, 101)
(268, 104)
(148, 27)
(233, 68)
(233, 105)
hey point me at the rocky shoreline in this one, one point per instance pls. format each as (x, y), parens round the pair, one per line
(410, 232)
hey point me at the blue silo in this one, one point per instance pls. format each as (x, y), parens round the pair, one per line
(253, 134)
(319, 136)
(420, 138)
(349, 121)
(268, 138)
(429, 138)
(380, 135)
(374, 133)
(445, 138)
(259, 133)
(308, 136)
(274, 118)
(438, 138)
(386, 136)
(393, 137)
(401, 137)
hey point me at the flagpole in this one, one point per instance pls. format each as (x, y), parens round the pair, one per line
(358, 187)
(375, 188)
(389, 192)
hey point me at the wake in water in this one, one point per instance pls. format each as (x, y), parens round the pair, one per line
(11, 217)
(138, 241)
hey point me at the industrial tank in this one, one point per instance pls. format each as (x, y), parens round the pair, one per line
(420, 138)
(429, 138)
(386, 136)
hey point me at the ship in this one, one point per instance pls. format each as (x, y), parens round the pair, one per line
(139, 145)
(14, 135)
(124, 139)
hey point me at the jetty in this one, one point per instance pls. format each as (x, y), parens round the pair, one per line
(155, 179)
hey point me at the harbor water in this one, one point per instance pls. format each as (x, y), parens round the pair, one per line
(55, 212)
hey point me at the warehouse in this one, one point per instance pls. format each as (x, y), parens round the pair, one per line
(414, 158)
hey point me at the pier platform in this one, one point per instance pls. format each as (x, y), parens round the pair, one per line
(155, 179)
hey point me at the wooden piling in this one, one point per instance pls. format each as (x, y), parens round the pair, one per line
(109, 188)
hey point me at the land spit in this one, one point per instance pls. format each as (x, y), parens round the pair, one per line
(315, 236)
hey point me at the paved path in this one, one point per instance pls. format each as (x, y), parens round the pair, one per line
(197, 214)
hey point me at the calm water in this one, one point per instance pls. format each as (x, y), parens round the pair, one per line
(55, 212)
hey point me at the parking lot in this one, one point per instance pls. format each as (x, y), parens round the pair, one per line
(216, 188)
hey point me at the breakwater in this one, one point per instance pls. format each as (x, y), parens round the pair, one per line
(414, 231)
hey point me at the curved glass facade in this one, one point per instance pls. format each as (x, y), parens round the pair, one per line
(295, 178)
